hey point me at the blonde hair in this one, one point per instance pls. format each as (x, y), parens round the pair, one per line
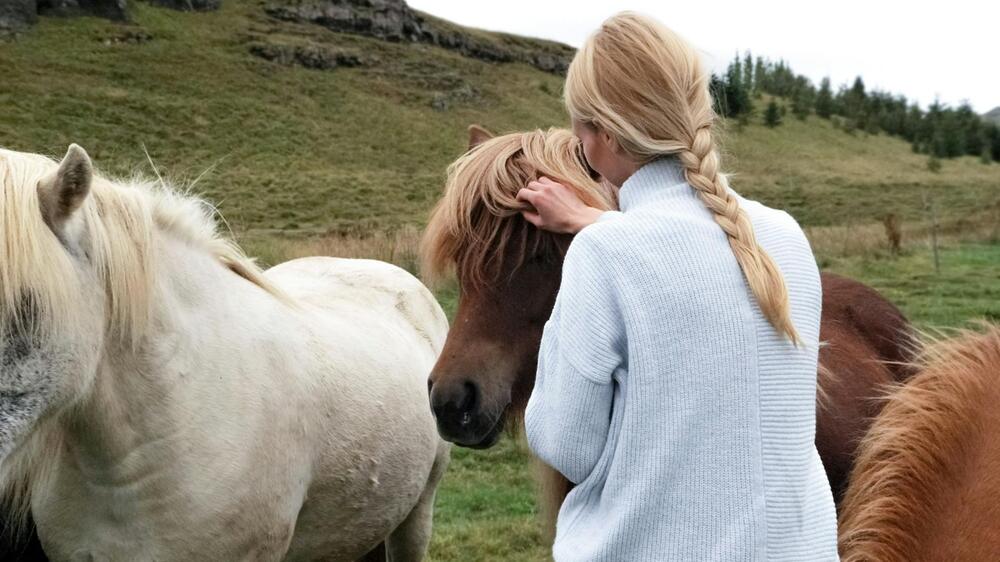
(646, 87)
(121, 223)
(477, 224)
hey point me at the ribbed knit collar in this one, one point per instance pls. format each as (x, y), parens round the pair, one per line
(658, 180)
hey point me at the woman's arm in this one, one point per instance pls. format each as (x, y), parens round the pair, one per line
(569, 412)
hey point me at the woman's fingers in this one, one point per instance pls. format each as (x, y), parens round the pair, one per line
(526, 194)
(532, 217)
(536, 185)
(554, 206)
(530, 196)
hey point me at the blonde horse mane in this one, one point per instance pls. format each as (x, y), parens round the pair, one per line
(907, 460)
(477, 222)
(121, 220)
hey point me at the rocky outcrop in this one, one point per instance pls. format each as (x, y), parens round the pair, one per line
(318, 57)
(17, 15)
(391, 20)
(394, 20)
(111, 9)
(189, 5)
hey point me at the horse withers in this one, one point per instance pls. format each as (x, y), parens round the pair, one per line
(509, 273)
(163, 399)
(926, 484)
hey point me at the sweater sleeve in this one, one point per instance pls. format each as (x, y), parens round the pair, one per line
(569, 411)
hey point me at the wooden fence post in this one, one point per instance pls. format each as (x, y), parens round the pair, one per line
(929, 205)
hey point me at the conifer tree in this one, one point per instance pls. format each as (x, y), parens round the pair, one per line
(748, 73)
(772, 117)
(824, 100)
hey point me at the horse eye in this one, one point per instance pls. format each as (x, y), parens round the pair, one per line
(23, 319)
(18, 331)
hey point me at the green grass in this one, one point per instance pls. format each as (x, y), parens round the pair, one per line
(485, 509)
(293, 156)
(966, 289)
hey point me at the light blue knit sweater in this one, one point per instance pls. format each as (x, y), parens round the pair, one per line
(685, 419)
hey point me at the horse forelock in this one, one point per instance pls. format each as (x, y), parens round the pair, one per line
(906, 463)
(120, 220)
(476, 229)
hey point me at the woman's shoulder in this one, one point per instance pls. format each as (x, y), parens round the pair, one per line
(768, 216)
(603, 240)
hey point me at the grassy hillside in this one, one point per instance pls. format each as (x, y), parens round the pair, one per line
(348, 161)
(290, 148)
(308, 152)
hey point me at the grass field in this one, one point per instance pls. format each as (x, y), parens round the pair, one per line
(349, 162)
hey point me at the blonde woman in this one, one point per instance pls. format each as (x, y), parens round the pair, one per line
(676, 382)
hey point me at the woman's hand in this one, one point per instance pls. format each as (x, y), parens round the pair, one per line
(556, 207)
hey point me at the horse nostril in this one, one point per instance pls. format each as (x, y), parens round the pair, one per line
(430, 386)
(469, 403)
(456, 406)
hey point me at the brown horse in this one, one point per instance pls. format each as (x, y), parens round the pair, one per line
(926, 483)
(509, 273)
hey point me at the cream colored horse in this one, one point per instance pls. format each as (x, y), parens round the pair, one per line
(162, 399)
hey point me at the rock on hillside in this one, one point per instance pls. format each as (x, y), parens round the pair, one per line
(394, 20)
(189, 5)
(17, 15)
(110, 9)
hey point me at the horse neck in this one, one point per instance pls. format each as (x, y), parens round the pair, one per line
(189, 375)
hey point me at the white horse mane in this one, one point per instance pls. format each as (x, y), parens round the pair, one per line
(121, 220)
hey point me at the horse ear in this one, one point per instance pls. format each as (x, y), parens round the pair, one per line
(62, 193)
(478, 135)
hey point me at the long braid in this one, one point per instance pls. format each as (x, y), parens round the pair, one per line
(701, 169)
(646, 86)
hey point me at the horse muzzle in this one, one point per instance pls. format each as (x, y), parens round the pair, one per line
(461, 418)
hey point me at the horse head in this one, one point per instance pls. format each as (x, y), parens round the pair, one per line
(508, 272)
(52, 299)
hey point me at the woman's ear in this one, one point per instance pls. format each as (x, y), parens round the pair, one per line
(608, 140)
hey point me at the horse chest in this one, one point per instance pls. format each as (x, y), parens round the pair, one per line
(86, 521)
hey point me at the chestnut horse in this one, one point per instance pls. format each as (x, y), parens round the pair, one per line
(927, 479)
(509, 273)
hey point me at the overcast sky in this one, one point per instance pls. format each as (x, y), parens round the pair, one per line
(950, 52)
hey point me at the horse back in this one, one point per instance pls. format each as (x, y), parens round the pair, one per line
(367, 291)
(850, 305)
(867, 346)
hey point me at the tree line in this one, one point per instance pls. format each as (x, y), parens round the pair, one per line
(939, 131)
